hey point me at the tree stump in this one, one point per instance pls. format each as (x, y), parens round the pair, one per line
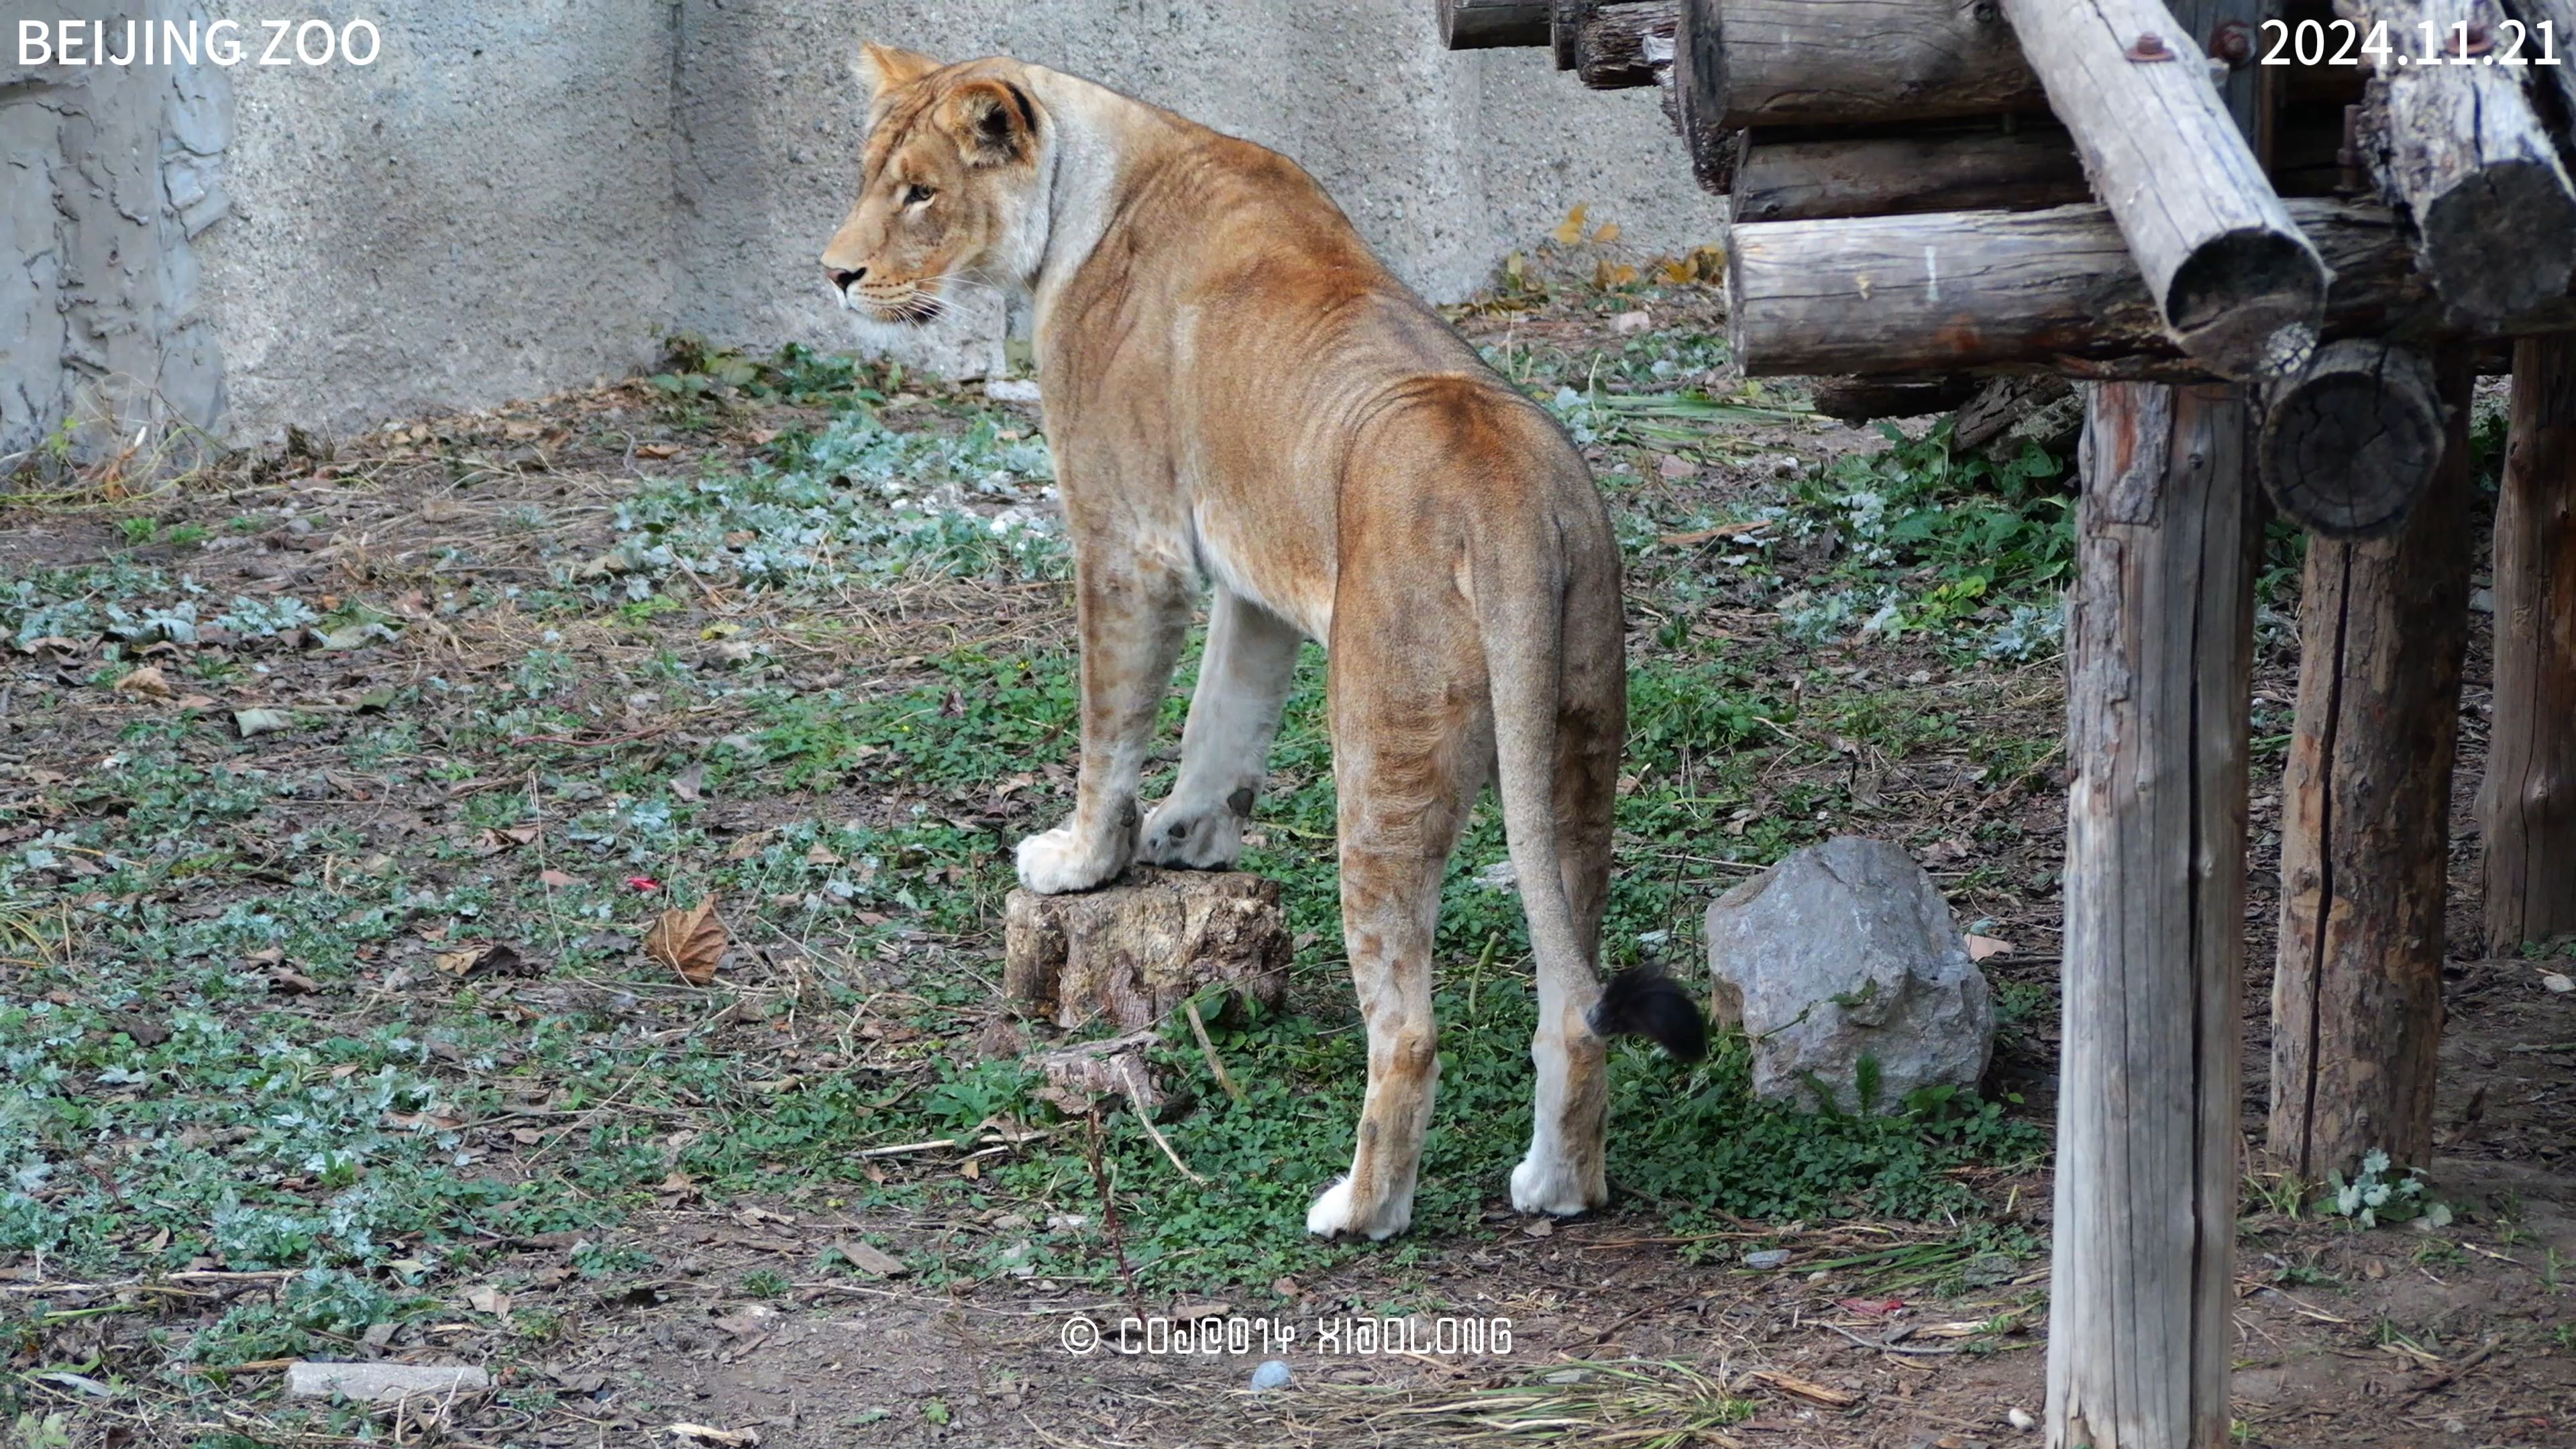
(1131, 952)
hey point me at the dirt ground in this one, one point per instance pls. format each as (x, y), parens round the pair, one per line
(1872, 1332)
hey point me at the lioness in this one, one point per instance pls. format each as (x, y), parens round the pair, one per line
(1236, 390)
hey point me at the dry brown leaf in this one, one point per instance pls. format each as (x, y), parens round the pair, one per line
(148, 681)
(690, 942)
(1981, 947)
(488, 1299)
(1570, 230)
(658, 450)
(555, 880)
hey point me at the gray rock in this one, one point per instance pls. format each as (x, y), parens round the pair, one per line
(1273, 1374)
(383, 1383)
(1844, 954)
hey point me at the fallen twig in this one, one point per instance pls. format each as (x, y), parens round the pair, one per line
(1207, 1049)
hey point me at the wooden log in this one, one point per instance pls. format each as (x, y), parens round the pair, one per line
(2159, 660)
(2242, 289)
(1131, 952)
(2365, 828)
(2560, 16)
(1864, 399)
(2459, 148)
(2040, 408)
(1857, 62)
(2348, 447)
(2528, 800)
(1618, 44)
(1076, 1077)
(1489, 24)
(2004, 163)
(2054, 288)
(1697, 87)
(1973, 166)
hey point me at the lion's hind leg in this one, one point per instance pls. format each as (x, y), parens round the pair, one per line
(1410, 744)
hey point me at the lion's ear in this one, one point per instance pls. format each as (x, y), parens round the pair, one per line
(882, 67)
(993, 122)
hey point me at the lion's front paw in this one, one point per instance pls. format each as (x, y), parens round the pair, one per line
(1555, 1188)
(1186, 837)
(1335, 1215)
(1060, 861)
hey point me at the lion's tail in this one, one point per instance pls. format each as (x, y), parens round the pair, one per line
(1524, 627)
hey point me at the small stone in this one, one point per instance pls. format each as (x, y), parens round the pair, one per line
(1012, 389)
(2020, 1418)
(1273, 1374)
(2558, 982)
(1767, 1259)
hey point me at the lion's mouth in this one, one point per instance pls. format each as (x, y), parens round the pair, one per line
(915, 308)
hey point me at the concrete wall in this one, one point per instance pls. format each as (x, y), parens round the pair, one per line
(108, 179)
(484, 213)
(526, 195)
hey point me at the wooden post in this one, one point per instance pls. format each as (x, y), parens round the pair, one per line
(2460, 148)
(2365, 828)
(2528, 802)
(2242, 290)
(2159, 653)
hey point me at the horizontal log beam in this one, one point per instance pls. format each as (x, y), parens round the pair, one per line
(2053, 288)
(2011, 163)
(1972, 166)
(1488, 24)
(2242, 289)
(2460, 150)
(1860, 62)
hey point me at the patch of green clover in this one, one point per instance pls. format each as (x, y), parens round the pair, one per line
(2371, 1198)
(858, 499)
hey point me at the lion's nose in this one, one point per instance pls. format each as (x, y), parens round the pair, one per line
(842, 278)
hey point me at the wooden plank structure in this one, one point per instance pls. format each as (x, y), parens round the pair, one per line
(2267, 267)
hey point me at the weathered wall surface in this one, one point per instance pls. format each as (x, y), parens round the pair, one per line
(108, 178)
(484, 213)
(526, 195)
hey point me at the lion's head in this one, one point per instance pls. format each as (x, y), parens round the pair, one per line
(949, 191)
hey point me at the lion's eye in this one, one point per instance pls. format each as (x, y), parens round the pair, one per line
(916, 194)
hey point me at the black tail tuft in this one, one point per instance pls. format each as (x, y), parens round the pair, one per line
(1642, 1001)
